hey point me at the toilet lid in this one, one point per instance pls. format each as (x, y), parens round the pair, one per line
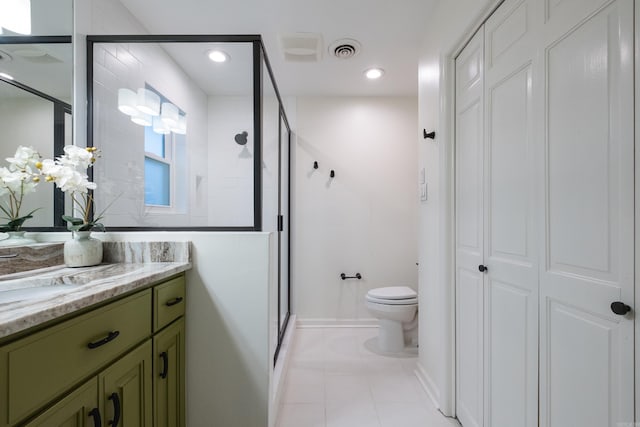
(393, 293)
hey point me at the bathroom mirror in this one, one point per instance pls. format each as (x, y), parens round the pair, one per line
(36, 66)
(182, 108)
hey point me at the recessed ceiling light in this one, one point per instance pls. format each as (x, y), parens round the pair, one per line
(6, 76)
(218, 56)
(374, 73)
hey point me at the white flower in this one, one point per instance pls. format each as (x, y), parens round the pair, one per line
(76, 157)
(49, 167)
(69, 179)
(24, 158)
(12, 181)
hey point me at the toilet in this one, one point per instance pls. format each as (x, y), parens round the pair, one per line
(396, 308)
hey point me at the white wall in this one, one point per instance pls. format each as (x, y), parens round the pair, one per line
(231, 165)
(450, 23)
(363, 220)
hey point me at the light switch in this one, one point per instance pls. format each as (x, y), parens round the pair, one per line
(423, 192)
(422, 176)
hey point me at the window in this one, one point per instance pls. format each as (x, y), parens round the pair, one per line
(157, 168)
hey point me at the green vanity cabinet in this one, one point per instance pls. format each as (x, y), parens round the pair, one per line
(169, 376)
(125, 390)
(78, 409)
(105, 359)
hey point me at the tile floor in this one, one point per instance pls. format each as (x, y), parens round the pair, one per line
(334, 381)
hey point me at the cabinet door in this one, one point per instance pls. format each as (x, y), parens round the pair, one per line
(169, 376)
(78, 409)
(125, 390)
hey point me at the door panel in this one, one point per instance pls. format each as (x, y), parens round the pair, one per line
(509, 26)
(126, 385)
(579, 354)
(569, 12)
(511, 299)
(509, 114)
(587, 372)
(510, 355)
(469, 348)
(72, 411)
(469, 284)
(169, 384)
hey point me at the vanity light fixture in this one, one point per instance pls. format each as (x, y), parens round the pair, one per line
(159, 126)
(169, 114)
(6, 76)
(146, 109)
(218, 56)
(141, 119)
(127, 100)
(148, 102)
(15, 15)
(181, 127)
(374, 73)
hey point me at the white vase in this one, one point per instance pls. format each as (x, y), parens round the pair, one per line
(83, 250)
(16, 238)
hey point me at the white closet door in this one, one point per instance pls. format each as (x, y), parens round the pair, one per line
(586, 376)
(511, 258)
(469, 233)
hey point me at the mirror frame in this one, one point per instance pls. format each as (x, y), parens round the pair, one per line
(60, 108)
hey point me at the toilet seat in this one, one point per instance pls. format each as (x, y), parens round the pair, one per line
(393, 295)
(383, 301)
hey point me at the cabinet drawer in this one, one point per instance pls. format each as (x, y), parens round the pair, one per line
(42, 366)
(169, 301)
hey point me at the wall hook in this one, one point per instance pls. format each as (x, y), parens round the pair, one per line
(431, 135)
(315, 165)
(332, 174)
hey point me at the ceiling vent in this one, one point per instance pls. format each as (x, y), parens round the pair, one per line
(302, 47)
(345, 48)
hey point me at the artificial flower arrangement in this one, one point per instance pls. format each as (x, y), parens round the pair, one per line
(19, 179)
(68, 172)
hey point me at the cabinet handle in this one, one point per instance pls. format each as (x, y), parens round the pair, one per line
(97, 421)
(112, 336)
(483, 268)
(116, 409)
(174, 301)
(165, 364)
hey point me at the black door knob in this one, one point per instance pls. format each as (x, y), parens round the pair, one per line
(620, 308)
(482, 268)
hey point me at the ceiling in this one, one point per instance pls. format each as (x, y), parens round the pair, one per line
(388, 30)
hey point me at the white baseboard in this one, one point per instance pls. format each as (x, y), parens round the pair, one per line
(280, 370)
(428, 385)
(337, 323)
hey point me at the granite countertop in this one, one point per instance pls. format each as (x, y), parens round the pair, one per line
(31, 298)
